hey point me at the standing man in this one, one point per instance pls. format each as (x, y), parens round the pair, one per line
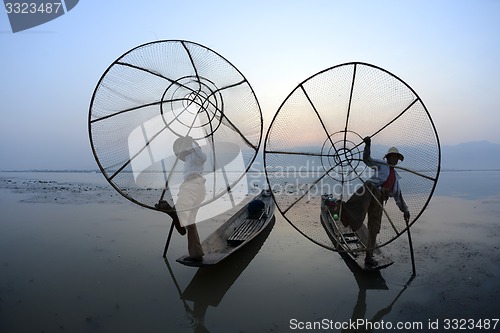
(370, 198)
(191, 194)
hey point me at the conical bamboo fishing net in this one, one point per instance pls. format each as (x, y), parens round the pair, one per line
(314, 146)
(158, 92)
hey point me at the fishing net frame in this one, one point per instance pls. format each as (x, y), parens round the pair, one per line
(160, 91)
(335, 109)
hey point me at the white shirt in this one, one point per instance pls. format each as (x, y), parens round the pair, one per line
(194, 162)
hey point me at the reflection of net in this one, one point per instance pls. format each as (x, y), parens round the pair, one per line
(163, 90)
(314, 145)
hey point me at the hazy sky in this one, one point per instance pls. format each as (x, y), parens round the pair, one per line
(447, 51)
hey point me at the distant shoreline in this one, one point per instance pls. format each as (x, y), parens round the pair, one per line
(54, 171)
(98, 171)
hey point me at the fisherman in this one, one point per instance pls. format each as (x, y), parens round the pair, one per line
(370, 198)
(191, 194)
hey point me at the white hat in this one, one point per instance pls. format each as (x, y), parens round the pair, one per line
(394, 150)
(182, 144)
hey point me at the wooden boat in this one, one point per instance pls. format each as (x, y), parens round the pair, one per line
(236, 232)
(351, 245)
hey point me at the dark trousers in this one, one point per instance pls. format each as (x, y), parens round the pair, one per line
(366, 200)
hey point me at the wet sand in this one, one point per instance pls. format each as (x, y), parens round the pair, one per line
(77, 257)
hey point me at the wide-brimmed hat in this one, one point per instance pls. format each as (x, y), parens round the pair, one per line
(394, 150)
(182, 144)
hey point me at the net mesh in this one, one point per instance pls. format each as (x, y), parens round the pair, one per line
(158, 92)
(314, 146)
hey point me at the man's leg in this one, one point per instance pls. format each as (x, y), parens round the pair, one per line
(191, 195)
(165, 207)
(353, 212)
(194, 245)
(375, 211)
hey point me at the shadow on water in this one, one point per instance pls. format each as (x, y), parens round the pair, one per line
(369, 280)
(219, 277)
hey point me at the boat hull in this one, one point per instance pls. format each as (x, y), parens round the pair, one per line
(234, 234)
(351, 245)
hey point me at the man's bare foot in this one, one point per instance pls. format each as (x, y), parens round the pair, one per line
(370, 261)
(165, 207)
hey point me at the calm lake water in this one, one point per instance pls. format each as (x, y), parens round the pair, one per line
(75, 256)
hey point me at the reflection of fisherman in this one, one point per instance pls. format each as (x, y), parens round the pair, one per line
(372, 195)
(367, 282)
(191, 194)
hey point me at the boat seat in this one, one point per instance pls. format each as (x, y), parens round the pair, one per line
(351, 238)
(244, 231)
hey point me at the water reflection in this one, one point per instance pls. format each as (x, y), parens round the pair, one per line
(369, 280)
(209, 285)
(469, 185)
